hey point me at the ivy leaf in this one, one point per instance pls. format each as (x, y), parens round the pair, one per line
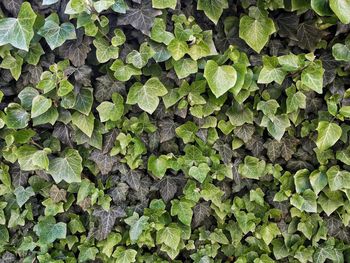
(49, 2)
(137, 225)
(199, 173)
(14, 64)
(140, 58)
(141, 18)
(185, 67)
(308, 35)
(23, 195)
(56, 34)
(187, 131)
(48, 230)
(256, 28)
(271, 71)
(146, 96)
(66, 168)
(123, 255)
(342, 9)
(220, 78)
(57, 195)
(252, 168)
(183, 210)
(312, 76)
(104, 162)
(305, 202)
(162, 4)
(170, 236)
(18, 31)
(107, 220)
(212, 8)
(328, 135)
(338, 179)
(84, 123)
(40, 105)
(105, 51)
(16, 117)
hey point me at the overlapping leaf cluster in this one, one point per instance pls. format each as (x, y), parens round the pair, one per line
(174, 130)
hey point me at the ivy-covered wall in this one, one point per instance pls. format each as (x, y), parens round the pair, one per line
(174, 131)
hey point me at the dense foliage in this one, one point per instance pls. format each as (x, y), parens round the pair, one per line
(175, 130)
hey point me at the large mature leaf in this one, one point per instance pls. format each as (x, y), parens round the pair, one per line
(48, 230)
(342, 9)
(56, 34)
(18, 31)
(67, 168)
(220, 78)
(328, 134)
(256, 29)
(212, 8)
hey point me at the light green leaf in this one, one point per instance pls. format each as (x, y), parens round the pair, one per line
(252, 168)
(328, 134)
(212, 8)
(124, 72)
(183, 210)
(66, 168)
(220, 78)
(312, 76)
(271, 71)
(105, 51)
(305, 202)
(256, 28)
(23, 195)
(137, 225)
(83, 122)
(146, 96)
(48, 230)
(159, 33)
(56, 34)
(199, 173)
(187, 131)
(123, 255)
(185, 67)
(16, 117)
(14, 64)
(40, 105)
(161, 4)
(338, 179)
(341, 52)
(18, 31)
(170, 236)
(177, 48)
(342, 10)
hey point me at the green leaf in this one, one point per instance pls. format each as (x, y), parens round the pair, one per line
(170, 236)
(199, 173)
(161, 4)
(220, 78)
(146, 96)
(271, 71)
(187, 131)
(312, 76)
(185, 67)
(48, 230)
(177, 48)
(23, 195)
(328, 134)
(18, 31)
(105, 51)
(305, 202)
(84, 101)
(338, 179)
(137, 225)
(124, 72)
(40, 105)
(183, 210)
(252, 168)
(256, 28)
(84, 123)
(212, 8)
(341, 52)
(140, 58)
(159, 33)
(56, 34)
(14, 64)
(16, 117)
(123, 255)
(66, 168)
(269, 232)
(295, 101)
(342, 10)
